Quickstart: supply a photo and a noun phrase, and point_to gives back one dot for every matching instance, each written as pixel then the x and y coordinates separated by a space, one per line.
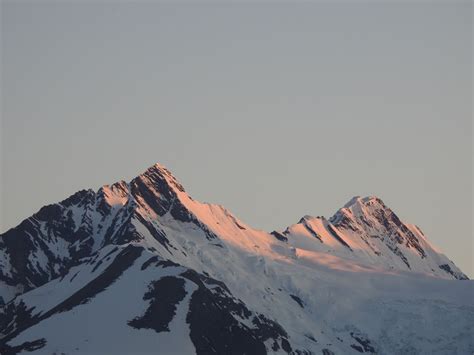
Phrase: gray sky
pixel 274 111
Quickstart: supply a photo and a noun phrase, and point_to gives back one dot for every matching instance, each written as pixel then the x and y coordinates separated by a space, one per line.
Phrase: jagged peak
pixel 368 200
pixel 77 197
pixel 361 206
pixel 159 173
pixel 159 168
pixel 357 206
pixel 115 194
pixel 117 186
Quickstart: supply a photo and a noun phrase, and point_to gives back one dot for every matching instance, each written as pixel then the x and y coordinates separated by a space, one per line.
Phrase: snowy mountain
pixel 368 232
pixel 141 268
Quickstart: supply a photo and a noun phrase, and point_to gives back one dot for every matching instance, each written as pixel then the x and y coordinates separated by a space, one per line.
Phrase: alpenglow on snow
pixel 140 267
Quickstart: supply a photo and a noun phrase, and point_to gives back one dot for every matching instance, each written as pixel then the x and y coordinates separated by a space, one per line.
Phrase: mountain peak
pixel 159 174
pixel 160 168
pixel 358 207
pixel 368 200
pixel 130 249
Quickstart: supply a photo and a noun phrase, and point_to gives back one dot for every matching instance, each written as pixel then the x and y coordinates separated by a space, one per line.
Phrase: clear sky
pixel 274 111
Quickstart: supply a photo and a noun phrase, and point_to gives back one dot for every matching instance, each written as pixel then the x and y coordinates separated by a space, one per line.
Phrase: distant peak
pixel 360 206
pixel 159 168
pixel 372 198
pixel 363 200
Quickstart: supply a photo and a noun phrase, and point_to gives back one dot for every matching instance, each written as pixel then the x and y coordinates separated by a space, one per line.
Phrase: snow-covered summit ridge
pixel 368 231
pixel 359 206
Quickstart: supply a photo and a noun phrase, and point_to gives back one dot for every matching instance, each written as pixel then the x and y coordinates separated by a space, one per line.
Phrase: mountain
pixel 368 232
pixel 140 267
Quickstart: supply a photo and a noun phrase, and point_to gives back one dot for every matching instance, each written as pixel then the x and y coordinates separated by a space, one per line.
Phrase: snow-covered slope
pixel 141 267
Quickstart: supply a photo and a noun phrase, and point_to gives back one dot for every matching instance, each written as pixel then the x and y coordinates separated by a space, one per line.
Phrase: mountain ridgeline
pixel 141 267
